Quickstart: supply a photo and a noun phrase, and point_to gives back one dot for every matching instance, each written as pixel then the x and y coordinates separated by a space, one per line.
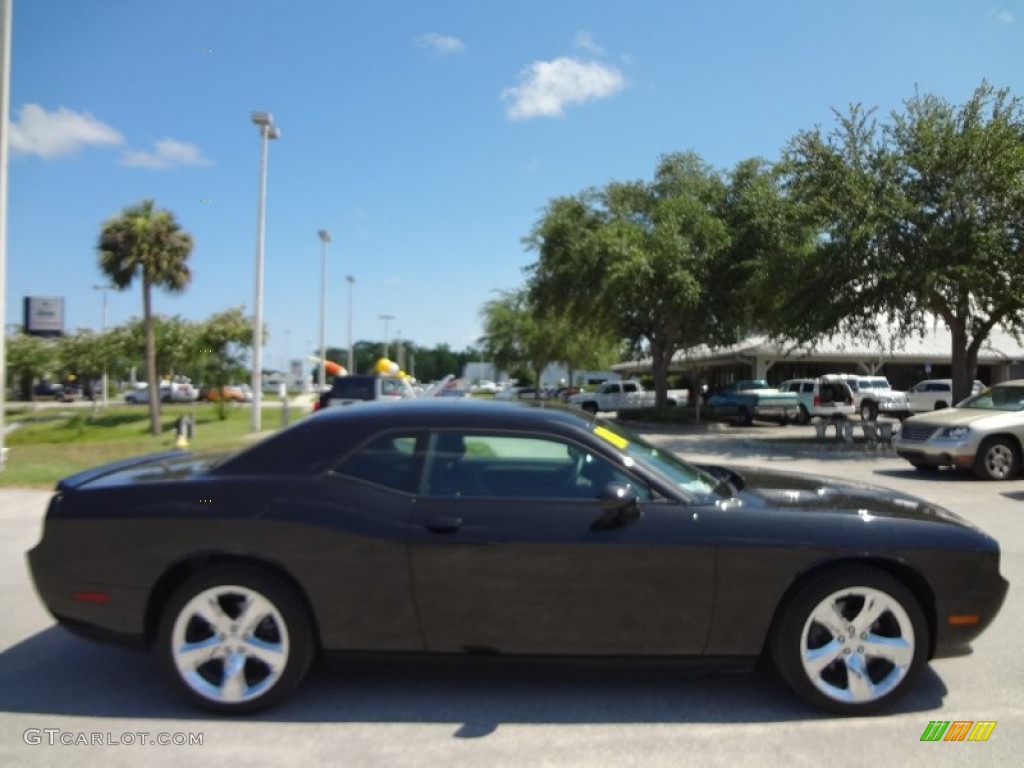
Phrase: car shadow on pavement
pixel 57 673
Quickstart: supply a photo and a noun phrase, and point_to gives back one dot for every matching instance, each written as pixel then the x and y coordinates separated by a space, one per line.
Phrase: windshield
pixel 1009 398
pixel 873 383
pixel 688 478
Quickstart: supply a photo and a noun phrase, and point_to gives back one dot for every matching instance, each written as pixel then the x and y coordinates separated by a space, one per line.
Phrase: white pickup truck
pixel 623 396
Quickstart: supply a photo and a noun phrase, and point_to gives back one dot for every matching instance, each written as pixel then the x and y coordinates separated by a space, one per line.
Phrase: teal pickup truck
pixel 747 399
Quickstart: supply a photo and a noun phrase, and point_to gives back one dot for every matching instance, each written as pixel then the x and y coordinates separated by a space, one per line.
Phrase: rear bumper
pixel 99 611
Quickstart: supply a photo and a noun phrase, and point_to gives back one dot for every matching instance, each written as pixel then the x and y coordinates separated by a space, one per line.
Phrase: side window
pixel 467 464
pixel 387 460
pixel 807 387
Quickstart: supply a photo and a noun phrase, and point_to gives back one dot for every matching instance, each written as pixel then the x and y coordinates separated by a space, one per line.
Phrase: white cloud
pixel 61 132
pixel 168 153
pixel 585 42
pixel 440 44
pixel 999 15
pixel 547 87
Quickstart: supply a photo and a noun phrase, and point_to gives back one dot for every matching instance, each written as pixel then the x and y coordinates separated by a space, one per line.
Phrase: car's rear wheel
pixel 851 641
pixel 235 639
pixel 589 407
pixel 803 416
pixel 997 459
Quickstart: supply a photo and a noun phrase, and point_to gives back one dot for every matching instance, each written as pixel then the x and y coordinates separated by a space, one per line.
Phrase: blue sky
pixel 426 136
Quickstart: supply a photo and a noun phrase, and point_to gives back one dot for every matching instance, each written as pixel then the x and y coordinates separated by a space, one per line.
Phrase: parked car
pixel 742 401
pixel 934 394
pixel 230 392
pixel 824 397
pixel 621 396
pixel 874 396
pixel 984 433
pixel 457 525
pixel 358 388
pixel 179 391
pixel 522 393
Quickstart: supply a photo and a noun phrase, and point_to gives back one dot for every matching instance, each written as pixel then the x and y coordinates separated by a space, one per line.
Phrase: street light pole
pixel 325 238
pixel 386 318
pixel 268 131
pixel 351 353
pixel 103 330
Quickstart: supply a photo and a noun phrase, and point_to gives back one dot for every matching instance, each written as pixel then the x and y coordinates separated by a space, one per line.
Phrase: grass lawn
pixel 51 443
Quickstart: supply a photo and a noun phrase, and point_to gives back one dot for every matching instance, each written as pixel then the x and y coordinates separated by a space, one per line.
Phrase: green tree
pixel 146 244
pixel 177 343
pixel 29 357
pixel 516 332
pixel 635 260
pixel 224 340
pixel 81 356
pixel 918 217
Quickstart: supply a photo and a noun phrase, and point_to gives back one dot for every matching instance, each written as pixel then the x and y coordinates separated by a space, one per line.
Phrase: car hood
pixel 976 417
pixel 156 467
pixel 763 487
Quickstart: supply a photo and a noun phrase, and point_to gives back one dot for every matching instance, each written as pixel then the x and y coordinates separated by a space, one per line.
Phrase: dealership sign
pixel 44 315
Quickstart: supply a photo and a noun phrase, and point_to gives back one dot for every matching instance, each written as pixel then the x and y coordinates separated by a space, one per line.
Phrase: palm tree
pixel 147 243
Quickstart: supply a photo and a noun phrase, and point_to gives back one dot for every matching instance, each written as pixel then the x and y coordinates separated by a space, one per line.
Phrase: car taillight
pixel 817 401
pixel 316 406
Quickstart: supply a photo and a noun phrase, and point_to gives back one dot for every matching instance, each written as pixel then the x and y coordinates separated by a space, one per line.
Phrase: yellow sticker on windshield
pixel 611 437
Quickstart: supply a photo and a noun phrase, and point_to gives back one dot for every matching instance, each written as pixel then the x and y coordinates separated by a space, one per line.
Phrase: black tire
pixel 940 405
pixel 589 407
pixel 833 667
pixel 997 459
pixel 274 648
pixel 803 416
pixel 743 417
pixel 868 411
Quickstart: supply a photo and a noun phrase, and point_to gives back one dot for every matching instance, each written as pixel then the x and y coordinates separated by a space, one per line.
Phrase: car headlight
pixel 955 433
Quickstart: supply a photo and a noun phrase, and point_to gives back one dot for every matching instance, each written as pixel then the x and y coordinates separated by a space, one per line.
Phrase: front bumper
pixel 937 453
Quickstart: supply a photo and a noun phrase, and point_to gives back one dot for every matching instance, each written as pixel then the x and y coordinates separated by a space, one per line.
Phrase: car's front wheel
pixel 235 639
pixel 868 411
pixel 997 459
pixel 851 640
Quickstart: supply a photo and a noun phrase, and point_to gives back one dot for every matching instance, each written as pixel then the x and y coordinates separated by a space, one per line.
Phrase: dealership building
pixel 904 362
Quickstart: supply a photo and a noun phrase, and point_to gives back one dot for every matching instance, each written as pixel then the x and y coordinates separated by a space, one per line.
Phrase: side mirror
pixel 619 507
pixel 617 496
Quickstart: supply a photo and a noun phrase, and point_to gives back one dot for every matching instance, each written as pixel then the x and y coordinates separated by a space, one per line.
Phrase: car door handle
pixel 443 524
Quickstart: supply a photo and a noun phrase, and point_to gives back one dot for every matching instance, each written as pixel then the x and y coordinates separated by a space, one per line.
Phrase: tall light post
pixel 268 131
pixel 103 330
pixel 5 102
pixel 325 238
pixel 351 353
pixel 386 319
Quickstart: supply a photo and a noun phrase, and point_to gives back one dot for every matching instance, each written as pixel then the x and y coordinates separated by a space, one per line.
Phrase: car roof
pixel 333 430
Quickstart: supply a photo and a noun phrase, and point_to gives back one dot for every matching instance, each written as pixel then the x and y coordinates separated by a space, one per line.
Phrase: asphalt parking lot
pixel 57 687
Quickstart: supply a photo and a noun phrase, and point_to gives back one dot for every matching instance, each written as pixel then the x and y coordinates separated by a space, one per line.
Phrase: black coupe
pixel 454 526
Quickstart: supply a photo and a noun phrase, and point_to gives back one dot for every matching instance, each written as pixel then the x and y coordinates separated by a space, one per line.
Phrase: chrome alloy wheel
pixel 229 644
pixel 998 460
pixel 857 645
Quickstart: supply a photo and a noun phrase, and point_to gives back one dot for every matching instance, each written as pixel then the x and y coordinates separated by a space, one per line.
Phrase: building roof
pixel 934 346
